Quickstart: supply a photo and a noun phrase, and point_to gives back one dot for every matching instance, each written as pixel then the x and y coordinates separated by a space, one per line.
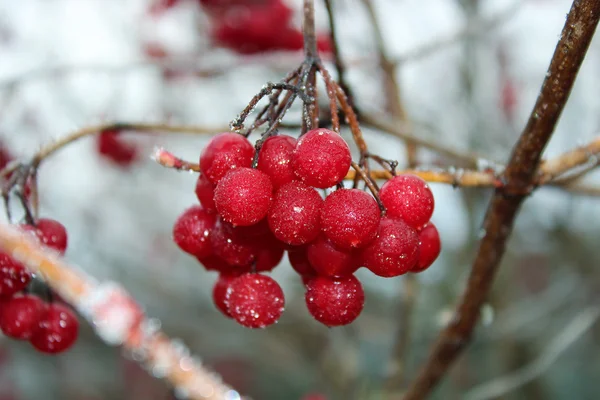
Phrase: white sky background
pixel 120 222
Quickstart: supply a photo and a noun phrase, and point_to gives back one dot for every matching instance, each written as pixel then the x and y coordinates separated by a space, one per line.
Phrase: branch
pixel 311 55
pixel 500 386
pixel 519 174
pixel 117 319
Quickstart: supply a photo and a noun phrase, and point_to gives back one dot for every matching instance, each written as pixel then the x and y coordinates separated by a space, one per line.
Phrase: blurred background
pixel 468 73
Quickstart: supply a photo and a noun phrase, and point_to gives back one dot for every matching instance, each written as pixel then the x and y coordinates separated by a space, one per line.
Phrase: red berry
pixel 243 196
pixel 50 232
pixel 321 158
pixel 329 260
pixel 205 191
pixel 350 218
pixel 220 292
pixel 213 263
pixel 13 276
pixel 334 301
pixel 299 260
pixel 255 300
pixel 225 152
pixel 192 231
pixel 19 316
pixel 260 229
pixel 232 247
pixel 111 146
pixel 275 159
pixel 268 253
pixel 430 247
pixel 408 197
pixel 57 330
pixel 394 251
pixel 295 213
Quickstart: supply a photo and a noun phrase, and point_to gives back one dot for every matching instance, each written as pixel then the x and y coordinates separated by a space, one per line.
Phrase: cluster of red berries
pixel 248 217
pixel 252 26
pixel 50 327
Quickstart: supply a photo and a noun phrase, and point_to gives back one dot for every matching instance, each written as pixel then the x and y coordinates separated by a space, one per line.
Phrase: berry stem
pixel 370 184
pixel 310 111
pixel 519 175
pixel 169 160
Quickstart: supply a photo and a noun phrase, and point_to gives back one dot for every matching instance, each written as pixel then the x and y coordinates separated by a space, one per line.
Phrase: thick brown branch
pixel 569 54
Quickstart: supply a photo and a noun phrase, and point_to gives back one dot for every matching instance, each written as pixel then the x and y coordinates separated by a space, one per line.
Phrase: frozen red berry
pixel 220 292
pixel 408 197
pixel 19 316
pixel 321 158
pixel 192 230
pixel 294 217
pixel 268 252
pixel 255 300
pixel 350 218
pixel 232 247
pixel 111 146
pixel 329 260
pixel 334 301
pixel 13 276
pixel 57 330
pixel 225 152
pixel 394 251
pixel 205 191
pixel 275 159
pixel 299 260
pixel 51 233
pixel 214 263
pixel 260 229
pixel 429 249
pixel 243 196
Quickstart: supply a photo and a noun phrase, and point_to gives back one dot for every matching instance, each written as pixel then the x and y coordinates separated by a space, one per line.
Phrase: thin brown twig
pixel 519 174
pixel 311 110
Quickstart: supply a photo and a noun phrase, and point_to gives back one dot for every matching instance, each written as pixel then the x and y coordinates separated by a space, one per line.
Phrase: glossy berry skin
pixel 205 192
pixel 321 158
pixel 57 330
pixel 430 247
pixel 294 217
pixel 394 251
pixel 112 147
pixel 19 316
pixel 329 260
pixel 408 197
pixel 192 231
pixel 255 300
pixel 224 152
pixel 13 276
pixel 243 196
pixel 299 260
pixel 232 247
pixel 350 218
pixel 219 293
pixel 334 301
pixel 51 233
pixel 275 159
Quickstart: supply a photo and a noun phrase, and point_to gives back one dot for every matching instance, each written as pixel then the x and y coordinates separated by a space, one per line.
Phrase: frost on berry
pixel 350 218
pixel 192 231
pixel 19 316
pixel 299 260
pixel 430 247
pixel 255 300
pixel 321 158
pixel 224 152
pixel 294 217
pixel 231 246
pixel 13 275
pixel 57 331
pixel 408 197
pixel 205 191
pixel 243 196
pixel 394 251
pixel 220 292
pixel 334 301
pixel 329 260
pixel 112 147
pixel 50 233
pixel 275 159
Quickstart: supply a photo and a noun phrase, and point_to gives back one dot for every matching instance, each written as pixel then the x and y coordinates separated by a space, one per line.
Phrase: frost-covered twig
pixel 519 177
pixel 118 320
